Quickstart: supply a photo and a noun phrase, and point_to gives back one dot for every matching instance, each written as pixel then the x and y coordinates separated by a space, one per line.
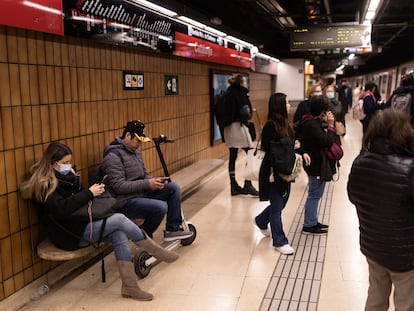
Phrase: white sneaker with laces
pixel 285 249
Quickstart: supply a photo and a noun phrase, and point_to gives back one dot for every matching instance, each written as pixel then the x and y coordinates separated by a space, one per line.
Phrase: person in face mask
pixel 55 189
pixel 336 107
pixel 303 107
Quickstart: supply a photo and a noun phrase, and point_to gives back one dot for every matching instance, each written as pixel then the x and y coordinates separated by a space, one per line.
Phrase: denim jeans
pixel 315 192
pixel 153 206
pixel 118 230
pixel 273 214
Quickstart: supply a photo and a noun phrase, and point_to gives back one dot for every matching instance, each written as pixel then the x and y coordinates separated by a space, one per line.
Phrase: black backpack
pixel 223 110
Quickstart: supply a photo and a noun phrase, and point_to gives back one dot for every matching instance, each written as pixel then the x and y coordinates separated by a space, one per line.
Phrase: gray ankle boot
pixel 157 251
pixel 130 287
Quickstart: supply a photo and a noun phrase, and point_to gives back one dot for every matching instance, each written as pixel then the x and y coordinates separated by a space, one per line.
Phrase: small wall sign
pixel 171 85
pixel 133 80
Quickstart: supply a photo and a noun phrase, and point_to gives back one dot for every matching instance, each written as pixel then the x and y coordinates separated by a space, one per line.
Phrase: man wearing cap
pixel 139 194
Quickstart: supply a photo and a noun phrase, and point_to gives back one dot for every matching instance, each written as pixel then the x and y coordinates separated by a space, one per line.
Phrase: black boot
pixel 235 188
pixel 249 189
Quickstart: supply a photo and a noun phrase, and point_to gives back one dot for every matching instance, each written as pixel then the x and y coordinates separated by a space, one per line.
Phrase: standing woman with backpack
pixel 272 186
pixel 236 134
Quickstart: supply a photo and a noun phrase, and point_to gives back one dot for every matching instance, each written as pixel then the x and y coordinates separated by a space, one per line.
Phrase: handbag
pixel 254 161
pixel 297 169
pixel 282 155
pixel 245 113
pixel 100 207
pixel 334 153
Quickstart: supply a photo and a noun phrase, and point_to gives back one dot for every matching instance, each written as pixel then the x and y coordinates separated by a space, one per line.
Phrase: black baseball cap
pixel 136 127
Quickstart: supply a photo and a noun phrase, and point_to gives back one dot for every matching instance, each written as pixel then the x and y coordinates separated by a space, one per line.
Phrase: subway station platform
pixel 231 266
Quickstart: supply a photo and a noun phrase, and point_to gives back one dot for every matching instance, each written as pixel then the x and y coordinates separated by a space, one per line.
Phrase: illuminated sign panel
pixel 330 37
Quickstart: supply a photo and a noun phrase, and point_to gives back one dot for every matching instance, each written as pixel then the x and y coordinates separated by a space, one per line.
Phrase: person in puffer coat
pixel 381 186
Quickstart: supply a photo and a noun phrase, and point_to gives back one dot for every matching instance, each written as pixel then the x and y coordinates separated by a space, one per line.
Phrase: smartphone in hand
pixel 104 179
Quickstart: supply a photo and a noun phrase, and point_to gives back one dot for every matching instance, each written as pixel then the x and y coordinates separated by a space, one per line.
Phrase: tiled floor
pixel 231 266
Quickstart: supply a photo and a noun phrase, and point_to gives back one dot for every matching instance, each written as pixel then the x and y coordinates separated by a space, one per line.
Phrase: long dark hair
pixel 279 115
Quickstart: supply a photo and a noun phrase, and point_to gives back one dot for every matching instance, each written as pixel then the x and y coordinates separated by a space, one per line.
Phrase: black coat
pixel 381 186
pixel 238 97
pixel 62 230
pixel 313 139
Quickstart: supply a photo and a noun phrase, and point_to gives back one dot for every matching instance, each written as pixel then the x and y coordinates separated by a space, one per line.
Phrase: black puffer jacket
pixel 381 186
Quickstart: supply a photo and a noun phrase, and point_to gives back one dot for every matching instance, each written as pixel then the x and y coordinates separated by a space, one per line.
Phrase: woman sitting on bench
pixel 55 188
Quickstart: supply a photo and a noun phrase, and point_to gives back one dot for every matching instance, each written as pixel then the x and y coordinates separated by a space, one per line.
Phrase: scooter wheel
pixel 191 239
pixel 141 269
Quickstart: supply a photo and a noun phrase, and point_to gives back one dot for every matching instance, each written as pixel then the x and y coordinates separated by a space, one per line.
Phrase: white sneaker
pixel 266 232
pixel 285 249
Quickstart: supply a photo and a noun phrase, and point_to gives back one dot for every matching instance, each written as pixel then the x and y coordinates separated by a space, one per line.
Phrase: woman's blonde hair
pixel 312 89
pixel 43 181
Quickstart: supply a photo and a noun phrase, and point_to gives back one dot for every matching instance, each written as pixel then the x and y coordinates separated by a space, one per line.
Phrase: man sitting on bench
pixel 139 194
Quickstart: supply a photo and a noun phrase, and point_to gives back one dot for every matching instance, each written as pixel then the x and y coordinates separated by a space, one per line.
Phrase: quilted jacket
pixel 381 186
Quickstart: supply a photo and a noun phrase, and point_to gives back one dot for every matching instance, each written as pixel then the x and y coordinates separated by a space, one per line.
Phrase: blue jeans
pixel 315 192
pixel 118 230
pixel 273 214
pixel 153 206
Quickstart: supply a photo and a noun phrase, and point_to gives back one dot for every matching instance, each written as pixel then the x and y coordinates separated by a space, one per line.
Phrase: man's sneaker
pixel 177 235
pixel 285 249
pixel 322 226
pixel 314 230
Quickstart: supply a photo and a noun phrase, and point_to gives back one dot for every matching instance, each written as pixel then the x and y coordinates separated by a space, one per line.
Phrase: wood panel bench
pixel 189 178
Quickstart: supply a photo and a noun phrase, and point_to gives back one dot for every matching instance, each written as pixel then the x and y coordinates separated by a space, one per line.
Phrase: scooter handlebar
pixel 162 139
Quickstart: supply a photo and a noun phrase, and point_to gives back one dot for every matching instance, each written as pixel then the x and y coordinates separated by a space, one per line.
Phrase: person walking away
pixel 314 137
pixel 55 188
pixel 236 135
pixel 381 186
pixel 356 92
pixel 271 186
pixel 345 96
pixel 139 194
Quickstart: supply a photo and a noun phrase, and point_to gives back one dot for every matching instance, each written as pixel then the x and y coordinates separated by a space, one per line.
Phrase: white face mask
pixel 64 169
pixel 330 95
pixel 317 93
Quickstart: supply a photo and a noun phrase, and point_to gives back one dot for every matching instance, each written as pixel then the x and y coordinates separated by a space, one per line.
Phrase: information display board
pixel 330 37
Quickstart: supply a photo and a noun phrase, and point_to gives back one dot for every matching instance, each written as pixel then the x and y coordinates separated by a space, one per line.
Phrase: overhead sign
pixel 330 37
pixel 39 15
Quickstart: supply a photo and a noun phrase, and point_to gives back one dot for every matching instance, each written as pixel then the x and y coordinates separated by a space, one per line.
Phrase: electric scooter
pixel 143 261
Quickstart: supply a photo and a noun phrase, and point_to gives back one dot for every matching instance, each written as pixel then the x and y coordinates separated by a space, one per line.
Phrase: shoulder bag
pixel 253 163
pixel 100 207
